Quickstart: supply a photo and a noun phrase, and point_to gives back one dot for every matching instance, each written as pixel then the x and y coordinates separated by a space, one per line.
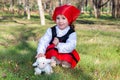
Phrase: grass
pixel 98 45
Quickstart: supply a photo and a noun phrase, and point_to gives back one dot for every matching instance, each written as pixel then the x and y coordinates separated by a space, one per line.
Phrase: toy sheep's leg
pixel 37 71
pixel 51 71
pixel 48 70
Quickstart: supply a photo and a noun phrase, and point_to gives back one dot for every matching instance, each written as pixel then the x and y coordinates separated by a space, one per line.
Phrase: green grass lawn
pixel 98 43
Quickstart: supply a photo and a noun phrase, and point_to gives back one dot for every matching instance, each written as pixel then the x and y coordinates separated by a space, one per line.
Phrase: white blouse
pixel 62 47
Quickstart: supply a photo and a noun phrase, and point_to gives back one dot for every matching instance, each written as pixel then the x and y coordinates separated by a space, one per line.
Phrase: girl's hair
pixel 72 25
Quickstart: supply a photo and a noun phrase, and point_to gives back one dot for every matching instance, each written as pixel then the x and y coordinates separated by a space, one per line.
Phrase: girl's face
pixel 61 22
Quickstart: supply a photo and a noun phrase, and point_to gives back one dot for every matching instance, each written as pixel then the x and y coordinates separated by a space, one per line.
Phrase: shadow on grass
pixel 78 74
pixel 103 16
pixel 18 58
pixel 85 22
pixel 5 19
pixel 103 20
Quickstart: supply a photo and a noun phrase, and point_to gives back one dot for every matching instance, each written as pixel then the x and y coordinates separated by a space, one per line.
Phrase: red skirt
pixel 71 58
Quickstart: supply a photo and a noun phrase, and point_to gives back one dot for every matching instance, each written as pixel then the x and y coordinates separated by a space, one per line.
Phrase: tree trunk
pixel 86 5
pixel 60 2
pixel 97 12
pixel 41 12
pixel 26 9
pixel 97 6
pixel 11 9
pixel 51 8
pixel 4 5
pixel 118 8
pixel 109 7
pixel 115 8
pixel 81 5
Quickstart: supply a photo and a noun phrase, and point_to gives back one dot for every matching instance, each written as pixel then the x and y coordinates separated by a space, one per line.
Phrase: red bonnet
pixel 69 11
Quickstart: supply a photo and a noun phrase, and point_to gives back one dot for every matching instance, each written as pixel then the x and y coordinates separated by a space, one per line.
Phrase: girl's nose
pixel 60 20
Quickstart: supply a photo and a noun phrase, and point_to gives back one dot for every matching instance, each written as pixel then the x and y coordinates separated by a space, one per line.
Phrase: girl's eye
pixel 58 18
pixel 63 18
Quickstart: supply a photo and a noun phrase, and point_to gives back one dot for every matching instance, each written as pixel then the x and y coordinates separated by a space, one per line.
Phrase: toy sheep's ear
pixel 35 64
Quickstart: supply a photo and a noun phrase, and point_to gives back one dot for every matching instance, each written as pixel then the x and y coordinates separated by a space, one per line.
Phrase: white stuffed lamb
pixel 43 65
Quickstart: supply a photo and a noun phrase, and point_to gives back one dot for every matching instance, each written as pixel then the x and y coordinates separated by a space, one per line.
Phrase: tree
pixel 41 12
pixel 97 6
pixel 80 5
pixel 26 9
pixel 60 2
pixel 116 8
pixel 11 6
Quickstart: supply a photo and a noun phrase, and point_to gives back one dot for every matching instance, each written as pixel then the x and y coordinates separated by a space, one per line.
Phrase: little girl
pixel 59 41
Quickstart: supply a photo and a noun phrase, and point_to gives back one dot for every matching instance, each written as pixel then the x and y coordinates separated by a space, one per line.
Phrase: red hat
pixel 69 11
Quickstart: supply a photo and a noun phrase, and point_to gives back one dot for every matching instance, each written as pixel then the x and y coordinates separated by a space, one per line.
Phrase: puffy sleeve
pixel 69 46
pixel 44 41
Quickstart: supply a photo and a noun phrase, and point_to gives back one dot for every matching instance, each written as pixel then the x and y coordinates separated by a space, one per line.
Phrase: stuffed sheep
pixel 43 65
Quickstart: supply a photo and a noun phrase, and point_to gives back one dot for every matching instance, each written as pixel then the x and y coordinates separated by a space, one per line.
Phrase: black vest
pixel 63 38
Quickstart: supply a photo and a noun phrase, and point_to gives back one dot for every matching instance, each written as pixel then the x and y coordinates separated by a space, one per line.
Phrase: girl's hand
pixel 55 41
pixel 39 55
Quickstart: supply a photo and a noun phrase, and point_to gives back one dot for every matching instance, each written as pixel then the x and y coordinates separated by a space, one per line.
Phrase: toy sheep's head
pixel 41 62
